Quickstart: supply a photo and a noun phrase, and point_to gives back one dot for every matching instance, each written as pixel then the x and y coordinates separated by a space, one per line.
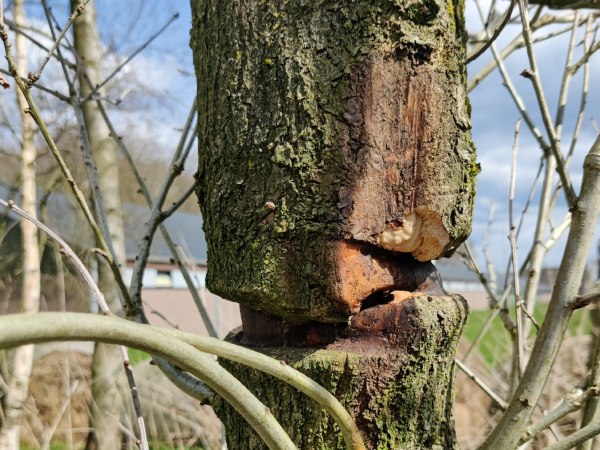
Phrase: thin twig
pixel 495 301
pixel 584 91
pixel 514 421
pixel 97 88
pixel 33 40
pixel 566 80
pixel 570 403
pixel 184 381
pixel 537 250
pixel 534 77
pixel 484 387
pixel 101 301
pixel 585 58
pixel 35 114
pixel 153 222
pixel 546 205
pixel 142 441
pixel 582 106
pixel 49 432
pixel 494 36
pixel 161 315
pixel 39 86
pixel 60 56
pixel 72 19
pixel 517 43
pixel 513 249
pixel 68 251
pixel 177 204
pixel 584 300
pixel 578 437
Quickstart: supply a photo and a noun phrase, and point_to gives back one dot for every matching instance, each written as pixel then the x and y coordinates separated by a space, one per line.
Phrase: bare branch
pixel 513 247
pixel 35 114
pixel 570 403
pixel 484 387
pixel 72 19
pixel 68 251
pixel 583 300
pixel 480 51
pixel 177 204
pixel 21 329
pixel 97 88
pixel 568 4
pixel 514 421
pixel 533 75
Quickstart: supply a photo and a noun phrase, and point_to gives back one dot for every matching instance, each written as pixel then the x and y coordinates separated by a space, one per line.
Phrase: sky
pixel 165 72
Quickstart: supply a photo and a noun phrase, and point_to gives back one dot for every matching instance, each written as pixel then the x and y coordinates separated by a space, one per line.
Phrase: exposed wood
pixel 326 126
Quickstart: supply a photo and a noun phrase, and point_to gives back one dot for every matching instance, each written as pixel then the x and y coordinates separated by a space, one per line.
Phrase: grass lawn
pixel 496 344
pixel 136 356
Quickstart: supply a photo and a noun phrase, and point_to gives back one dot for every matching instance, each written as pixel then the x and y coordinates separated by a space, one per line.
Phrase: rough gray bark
pixel 336 161
pixel 332 135
pixel 21 359
pixel 394 376
pixel 107 373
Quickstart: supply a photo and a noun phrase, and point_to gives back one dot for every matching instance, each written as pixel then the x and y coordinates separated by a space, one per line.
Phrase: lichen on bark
pixel 399 392
pixel 322 123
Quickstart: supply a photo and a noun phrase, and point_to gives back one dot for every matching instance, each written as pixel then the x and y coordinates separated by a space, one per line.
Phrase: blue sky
pixel 166 71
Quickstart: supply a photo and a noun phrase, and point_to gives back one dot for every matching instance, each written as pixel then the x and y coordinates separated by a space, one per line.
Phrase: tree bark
pixel 392 368
pixel 22 357
pixel 108 382
pixel 335 161
pixel 332 136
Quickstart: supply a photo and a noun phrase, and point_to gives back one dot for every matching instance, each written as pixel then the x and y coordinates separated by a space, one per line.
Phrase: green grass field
pixel 495 346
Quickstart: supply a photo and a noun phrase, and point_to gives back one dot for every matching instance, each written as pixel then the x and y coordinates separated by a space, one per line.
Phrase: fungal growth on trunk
pixel 335 163
pixel 329 129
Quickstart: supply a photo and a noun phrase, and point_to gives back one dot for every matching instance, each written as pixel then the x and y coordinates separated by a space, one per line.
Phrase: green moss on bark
pixel 400 397
pixel 275 84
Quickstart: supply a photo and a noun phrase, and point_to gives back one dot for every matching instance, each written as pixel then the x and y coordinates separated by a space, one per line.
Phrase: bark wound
pixel 334 149
pixel 391 114
pixel 364 269
pixel 376 287
pixel 389 325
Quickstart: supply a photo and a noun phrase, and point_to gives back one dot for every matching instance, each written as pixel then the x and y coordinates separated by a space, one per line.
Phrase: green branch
pixel 21 329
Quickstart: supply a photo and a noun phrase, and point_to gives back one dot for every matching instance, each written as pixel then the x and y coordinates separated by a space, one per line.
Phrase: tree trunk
pixel 107 368
pixel 392 369
pixel 335 162
pixel 329 131
pixel 22 357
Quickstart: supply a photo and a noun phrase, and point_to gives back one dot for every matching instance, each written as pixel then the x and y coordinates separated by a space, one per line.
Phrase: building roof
pixel 454 269
pixel 185 228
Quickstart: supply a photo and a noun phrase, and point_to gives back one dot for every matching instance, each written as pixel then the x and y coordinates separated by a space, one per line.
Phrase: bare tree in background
pixel 22 357
pixel 107 374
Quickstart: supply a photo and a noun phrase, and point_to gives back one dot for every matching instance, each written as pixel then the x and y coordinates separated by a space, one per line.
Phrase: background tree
pixel 21 359
pixel 108 381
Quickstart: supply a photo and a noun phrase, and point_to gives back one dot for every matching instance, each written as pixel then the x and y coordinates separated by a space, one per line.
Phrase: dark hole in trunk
pixel 377 298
